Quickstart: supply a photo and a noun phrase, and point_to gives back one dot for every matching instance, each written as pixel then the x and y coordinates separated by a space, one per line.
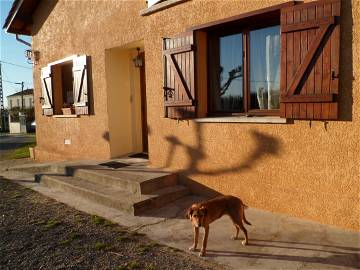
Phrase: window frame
pixel 244 28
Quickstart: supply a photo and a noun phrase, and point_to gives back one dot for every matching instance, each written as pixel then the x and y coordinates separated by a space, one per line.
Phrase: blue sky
pixel 13 51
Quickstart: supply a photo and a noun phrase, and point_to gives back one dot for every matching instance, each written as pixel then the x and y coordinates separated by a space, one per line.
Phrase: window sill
pixel 66 116
pixel 243 119
pixel 160 6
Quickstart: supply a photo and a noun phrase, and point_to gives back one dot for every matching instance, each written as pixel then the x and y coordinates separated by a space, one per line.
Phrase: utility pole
pixel 2 111
pixel 22 95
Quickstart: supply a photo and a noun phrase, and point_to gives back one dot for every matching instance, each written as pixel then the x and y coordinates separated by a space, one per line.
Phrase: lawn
pixel 18 150
pixel 22 151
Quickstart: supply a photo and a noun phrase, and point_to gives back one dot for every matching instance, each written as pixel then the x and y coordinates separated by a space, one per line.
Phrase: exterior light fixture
pixel 32 56
pixel 138 61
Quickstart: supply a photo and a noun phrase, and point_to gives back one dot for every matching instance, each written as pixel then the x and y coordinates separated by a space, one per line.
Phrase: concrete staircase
pixel 133 188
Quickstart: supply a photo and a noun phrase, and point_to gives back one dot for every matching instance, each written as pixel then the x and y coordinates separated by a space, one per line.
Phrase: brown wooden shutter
pixel 179 79
pixel 47 94
pixel 310 45
pixel 80 85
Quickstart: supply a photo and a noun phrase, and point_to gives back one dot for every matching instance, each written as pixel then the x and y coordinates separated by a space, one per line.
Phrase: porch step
pixel 141 181
pixel 115 197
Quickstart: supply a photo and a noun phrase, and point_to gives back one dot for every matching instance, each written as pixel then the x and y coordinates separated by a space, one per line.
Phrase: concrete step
pixel 110 196
pixel 134 180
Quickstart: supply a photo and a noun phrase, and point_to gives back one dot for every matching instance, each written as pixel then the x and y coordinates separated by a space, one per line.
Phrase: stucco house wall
pixel 308 170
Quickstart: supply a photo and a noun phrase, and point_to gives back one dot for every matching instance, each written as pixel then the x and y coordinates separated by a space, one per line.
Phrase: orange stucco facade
pixel 303 169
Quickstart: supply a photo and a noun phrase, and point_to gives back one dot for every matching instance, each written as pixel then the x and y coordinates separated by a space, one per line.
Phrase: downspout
pixel 22 41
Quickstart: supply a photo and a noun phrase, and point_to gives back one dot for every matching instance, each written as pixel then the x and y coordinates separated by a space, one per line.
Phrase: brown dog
pixel 203 213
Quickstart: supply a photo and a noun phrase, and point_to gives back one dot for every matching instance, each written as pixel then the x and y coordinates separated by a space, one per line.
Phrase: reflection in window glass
pixel 265 68
pixel 228 95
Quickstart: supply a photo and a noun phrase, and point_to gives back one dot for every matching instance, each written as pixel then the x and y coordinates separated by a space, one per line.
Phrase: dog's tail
pixel 243 214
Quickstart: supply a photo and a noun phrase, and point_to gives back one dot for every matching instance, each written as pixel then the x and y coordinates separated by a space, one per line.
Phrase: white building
pixel 22 100
pixel 14 100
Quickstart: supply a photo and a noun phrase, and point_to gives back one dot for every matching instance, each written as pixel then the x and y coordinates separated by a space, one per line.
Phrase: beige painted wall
pixel 124 103
pixel 311 172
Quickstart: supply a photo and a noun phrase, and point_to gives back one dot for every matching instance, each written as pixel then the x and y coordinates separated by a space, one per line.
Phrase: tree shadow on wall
pixel 264 145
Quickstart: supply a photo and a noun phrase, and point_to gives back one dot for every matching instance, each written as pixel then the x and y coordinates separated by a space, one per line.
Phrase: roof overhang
pixel 19 19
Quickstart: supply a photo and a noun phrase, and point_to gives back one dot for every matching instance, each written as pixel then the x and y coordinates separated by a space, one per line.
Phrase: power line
pixel 15 64
pixel 15 82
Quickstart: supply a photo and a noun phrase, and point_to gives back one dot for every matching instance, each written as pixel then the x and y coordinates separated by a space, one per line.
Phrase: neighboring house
pixel 26 96
pixel 244 97
pixel 21 111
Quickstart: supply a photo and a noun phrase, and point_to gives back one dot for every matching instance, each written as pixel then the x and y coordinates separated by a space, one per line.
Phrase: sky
pixel 12 51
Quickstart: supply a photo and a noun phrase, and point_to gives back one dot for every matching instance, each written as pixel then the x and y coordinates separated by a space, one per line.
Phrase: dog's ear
pixel 203 210
pixel 189 212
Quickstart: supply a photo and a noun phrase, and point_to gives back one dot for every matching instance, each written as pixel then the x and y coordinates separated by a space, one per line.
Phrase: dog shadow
pixel 342 256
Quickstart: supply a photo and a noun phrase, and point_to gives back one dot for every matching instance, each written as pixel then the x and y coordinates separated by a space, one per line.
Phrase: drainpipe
pixel 22 41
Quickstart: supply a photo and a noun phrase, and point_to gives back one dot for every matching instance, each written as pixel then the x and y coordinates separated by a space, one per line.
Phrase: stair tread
pixel 130 174
pixel 112 192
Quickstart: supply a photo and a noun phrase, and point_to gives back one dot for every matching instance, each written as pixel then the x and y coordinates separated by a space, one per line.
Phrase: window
pixel 281 60
pixel 11 103
pixel 65 86
pixel 62 80
pixel 30 102
pixel 18 102
pixel 245 71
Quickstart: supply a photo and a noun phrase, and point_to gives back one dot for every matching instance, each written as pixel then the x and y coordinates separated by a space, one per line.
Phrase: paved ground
pixel 276 241
pixel 10 142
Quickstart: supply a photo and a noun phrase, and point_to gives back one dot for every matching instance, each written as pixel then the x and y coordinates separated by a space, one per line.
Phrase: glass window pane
pixel 265 68
pixel 227 83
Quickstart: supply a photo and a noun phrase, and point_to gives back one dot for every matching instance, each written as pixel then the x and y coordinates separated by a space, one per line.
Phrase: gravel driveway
pixel 39 233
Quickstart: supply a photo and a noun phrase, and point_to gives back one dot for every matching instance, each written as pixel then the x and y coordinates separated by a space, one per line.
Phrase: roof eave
pixel 19 19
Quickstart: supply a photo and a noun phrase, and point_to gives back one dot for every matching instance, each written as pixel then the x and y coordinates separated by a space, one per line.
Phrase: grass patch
pixel 52 223
pixel 123 238
pixel 16 195
pixel 71 238
pixel 97 220
pixel 132 265
pixel 101 246
pixel 22 151
pixel 150 267
pixel 40 222
pixel 144 248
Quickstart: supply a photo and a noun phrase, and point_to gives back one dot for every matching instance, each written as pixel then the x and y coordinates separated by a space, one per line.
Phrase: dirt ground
pixel 39 233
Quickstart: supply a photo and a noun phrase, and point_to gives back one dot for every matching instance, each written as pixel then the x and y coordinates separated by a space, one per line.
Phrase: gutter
pixel 22 41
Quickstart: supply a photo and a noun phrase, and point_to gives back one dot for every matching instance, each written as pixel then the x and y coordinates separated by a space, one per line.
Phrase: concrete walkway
pixel 276 241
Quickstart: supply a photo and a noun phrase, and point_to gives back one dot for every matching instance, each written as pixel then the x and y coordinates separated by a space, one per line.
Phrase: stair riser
pixel 123 184
pixel 152 185
pixel 86 194
pixel 159 201
pixel 146 187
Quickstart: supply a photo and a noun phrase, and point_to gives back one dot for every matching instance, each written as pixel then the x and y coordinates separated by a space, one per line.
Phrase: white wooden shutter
pixel 80 86
pixel 47 95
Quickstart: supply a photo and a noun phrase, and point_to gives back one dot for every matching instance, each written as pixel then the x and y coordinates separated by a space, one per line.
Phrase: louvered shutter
pixel 80 85
pixel 47 95
pixel 310 44
pixel 179 79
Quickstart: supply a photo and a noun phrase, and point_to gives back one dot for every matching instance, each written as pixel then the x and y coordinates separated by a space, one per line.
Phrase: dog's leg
pixel 196 238
pixel 236 218
pixel 235 237
pixel 204 243
pixel 241 225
